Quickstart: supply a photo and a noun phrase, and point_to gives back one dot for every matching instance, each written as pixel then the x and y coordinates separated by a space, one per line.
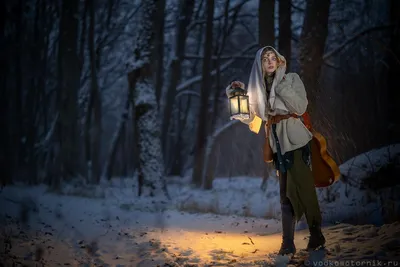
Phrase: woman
pixel 280 99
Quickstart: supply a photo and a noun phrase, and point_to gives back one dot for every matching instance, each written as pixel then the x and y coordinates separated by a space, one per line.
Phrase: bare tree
pixel 224 33
pixel 182 120
pixel 67 94
pixel 394 70
pixel 211 154
pixel 285 30
pixel 120 128
pixel 201 137
pixel 93 132
pixel 158 54
pixel 185 13
pixel 312 44
pixel 266 23
pixel 17 131
pixel 147 128
pixel 5 151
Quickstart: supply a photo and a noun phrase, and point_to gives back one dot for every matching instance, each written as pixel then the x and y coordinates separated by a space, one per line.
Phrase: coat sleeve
pixel 293 94
pixel 228 91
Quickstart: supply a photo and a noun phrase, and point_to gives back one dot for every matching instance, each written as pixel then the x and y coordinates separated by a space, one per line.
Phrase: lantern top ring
pixel 238 91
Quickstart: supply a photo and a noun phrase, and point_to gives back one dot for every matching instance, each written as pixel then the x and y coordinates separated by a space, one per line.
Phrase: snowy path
pixel 74 231
pixel 117 236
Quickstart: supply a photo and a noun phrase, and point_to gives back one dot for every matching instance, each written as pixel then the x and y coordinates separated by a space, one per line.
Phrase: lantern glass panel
pixel 244 105
pixel 234 102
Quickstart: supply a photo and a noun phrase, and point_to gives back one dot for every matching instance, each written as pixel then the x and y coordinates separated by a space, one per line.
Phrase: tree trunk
pixel 17 117
pixel 68 86
pixel 109 164
pixel 219 50
pixel 5 151
pixel 45 106
pixel 201 138
pixel 32 98
pixel 124 152
pixel 186 11
pixel 211 154
pixel 83 36
pixel 311 47
pixel 158 53
pixel 89 111
pixel 177 158
pixel 199 38
pixel 95 102
pixel 394 72
pixel 285 30
pixel 266 23
pixel 147 128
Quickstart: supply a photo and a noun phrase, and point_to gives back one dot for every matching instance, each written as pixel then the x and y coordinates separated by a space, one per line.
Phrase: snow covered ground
pixel 235 224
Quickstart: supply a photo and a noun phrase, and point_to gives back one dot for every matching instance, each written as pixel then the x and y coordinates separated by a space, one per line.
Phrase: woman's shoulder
pixel 292 79
pixel 291 76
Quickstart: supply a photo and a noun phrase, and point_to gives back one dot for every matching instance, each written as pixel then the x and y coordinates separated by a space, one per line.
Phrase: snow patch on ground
pixel 234 224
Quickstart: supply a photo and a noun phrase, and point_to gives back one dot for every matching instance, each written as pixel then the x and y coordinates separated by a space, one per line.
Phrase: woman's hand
pixel 236 84
pixel 232 86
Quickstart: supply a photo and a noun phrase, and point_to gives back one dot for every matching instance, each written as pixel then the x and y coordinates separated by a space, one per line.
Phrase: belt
pixel 277 118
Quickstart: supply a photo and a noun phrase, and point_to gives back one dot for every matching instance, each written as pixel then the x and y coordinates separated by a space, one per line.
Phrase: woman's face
pixel 269 62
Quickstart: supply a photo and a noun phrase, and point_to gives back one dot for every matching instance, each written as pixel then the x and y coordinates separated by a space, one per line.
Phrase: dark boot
pixel 288 220
pixel 317 239
pixel 288 225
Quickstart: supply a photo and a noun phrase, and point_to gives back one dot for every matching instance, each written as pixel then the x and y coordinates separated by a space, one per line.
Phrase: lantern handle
pixel 238 91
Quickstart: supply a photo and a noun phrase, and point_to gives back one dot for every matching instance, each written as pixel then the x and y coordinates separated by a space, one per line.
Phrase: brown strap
pixel 277 118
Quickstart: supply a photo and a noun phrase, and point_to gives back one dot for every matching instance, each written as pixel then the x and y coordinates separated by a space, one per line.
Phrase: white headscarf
pixel 257 91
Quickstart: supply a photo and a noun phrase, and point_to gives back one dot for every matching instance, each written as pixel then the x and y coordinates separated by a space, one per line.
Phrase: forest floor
pixel 72 231
pixel 107 225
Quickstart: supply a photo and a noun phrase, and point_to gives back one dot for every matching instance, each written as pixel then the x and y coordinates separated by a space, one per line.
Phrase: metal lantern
pixel 239 104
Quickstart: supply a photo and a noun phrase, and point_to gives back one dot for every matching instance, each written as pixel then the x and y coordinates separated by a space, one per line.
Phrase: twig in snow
pixel 251 240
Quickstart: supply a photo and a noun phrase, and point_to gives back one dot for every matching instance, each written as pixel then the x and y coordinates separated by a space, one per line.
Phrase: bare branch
pixel 183 86
pixel 193 56
pixel 249 31
pixel 297 8
pixel 189 93
pixel 355 37
pixel 232 9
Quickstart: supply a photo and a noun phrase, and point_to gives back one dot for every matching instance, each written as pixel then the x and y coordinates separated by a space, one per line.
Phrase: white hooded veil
pixel 257 92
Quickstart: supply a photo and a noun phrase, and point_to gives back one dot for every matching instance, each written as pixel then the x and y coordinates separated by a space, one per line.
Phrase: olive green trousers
pixel 300 190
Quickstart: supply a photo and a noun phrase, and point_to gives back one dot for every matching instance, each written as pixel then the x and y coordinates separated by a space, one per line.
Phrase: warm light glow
pixel 207 246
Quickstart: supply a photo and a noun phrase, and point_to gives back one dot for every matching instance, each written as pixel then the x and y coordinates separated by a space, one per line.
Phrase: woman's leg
pixel 288 219
pixel 303 180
